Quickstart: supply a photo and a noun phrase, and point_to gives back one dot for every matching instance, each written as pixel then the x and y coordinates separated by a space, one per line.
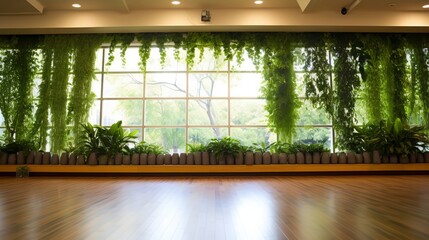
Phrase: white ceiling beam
pixel 37 5
pixel 125 6
pixel 303 4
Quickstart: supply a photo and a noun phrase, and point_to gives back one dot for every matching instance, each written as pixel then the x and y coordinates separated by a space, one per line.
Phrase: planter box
pixel 126 160
pixel 316 158
pixel 55 160
pixel 38 158
pixel 275 158
pixel 118 159
pixel 376 158
pixel 3 158
pixel 135 159
pixel 46 159
pixel 300 158
pixel 308 158
pixel 72 159
pixel 249 158
pixel 197 158
pixel 167 159
pixel 342 158
pixel 334 158
pixel 325 157
pixel 366 157
pixel 239 159
pixel 258 158
pixel 205 158
pixel 351 158
pixel 81 160
pixel 143 158
pixel 230 160
pixel 266 158
pixel 160 159
pixel 20 158
pixel 151 159
pixel 64 159
pixel 290 158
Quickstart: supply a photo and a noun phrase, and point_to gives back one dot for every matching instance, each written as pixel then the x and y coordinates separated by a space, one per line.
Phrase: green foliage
pixel 106 141
pixel 260 147
pixel 62 46
pixel 390 138
pixel 224 147
pixel 347 52
pixel 41 121
pixel 22 171
pixel 148 148
pixel 395 85
pixel 196 147
pixel 279 147
pixel 82 97
pixel 18 146
pixel 317 72
pixel 121 39
pixel 418 100
pixel 306 148
pixel 372 86
pixel 18 66
pixel 279 88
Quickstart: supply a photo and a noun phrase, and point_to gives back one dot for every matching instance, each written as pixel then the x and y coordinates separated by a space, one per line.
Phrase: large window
pixel 174 105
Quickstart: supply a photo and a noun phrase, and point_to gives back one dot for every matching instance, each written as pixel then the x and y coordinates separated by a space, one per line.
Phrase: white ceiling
pixel 96 16
pixel 11 7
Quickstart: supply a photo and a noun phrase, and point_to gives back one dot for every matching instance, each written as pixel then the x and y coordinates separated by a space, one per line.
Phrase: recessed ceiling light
pixel 76 5
pixel 425 6
pixel 259 2
pixel 175 2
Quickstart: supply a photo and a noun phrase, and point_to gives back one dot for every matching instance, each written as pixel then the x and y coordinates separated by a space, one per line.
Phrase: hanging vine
pixel 317 69
pixel 18 68
pixel 345 52
pixel 373 84
pixel 279 87
pixel 82 97
pixel 62 46
pixel 41 121
pixel 396 79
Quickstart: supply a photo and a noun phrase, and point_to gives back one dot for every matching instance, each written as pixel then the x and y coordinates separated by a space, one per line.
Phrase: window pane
pixel 203 135
pixel 360 112
pixel 154 61
pixel 310 135
pixel 123 85
pixel 132 60
pixel 208 62
pixel 96 85
pixel 246 65
pixel 208 85
pixel 300 86
pixel 130 112
pixel 165 112
pixel 166 85
pixel 208 112
pixel 99 60
pixel 139 134
pixel 248 112
pixel 246 84
pixel 1 121
pixel 172 139
pixel 248 136
pixel 308 115
pixel 94 113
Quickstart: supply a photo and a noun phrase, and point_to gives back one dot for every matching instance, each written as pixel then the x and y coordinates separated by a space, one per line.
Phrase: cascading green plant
pixel 62 46
pixel 346 51
pixel 224 147
pixel 18 66
pixel 82 97
pixel 317 69
pixel 279 87
pixel 396 81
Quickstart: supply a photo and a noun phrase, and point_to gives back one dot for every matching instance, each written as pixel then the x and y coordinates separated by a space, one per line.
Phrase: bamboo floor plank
pixel 215 207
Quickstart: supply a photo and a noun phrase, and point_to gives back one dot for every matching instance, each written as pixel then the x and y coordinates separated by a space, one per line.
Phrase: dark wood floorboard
pixel 215 208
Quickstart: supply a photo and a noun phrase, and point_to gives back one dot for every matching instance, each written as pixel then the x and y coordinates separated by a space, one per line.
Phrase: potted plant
pixel 148 152
pixel 223 148
pixel 196 149
pixel 106 142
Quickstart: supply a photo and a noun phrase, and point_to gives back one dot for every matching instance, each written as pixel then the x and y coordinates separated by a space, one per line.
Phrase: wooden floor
pixel 205 207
